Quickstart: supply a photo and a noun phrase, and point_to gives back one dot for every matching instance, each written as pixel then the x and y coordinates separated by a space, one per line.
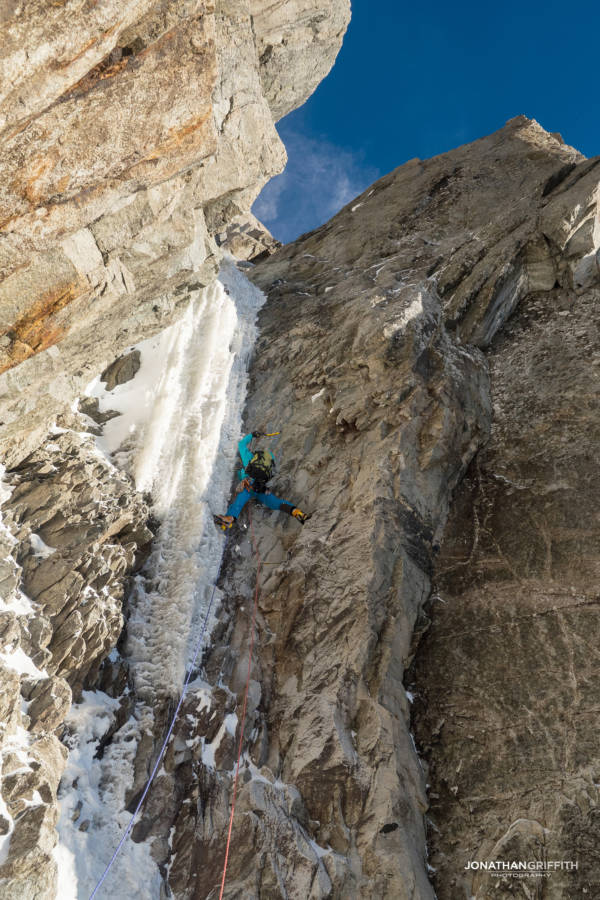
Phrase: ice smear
pixel 191 481
pixel 320 851
pixel 181 421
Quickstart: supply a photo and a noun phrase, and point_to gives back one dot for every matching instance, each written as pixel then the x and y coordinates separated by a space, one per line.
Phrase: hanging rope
pixel 240 745
pixel 165 742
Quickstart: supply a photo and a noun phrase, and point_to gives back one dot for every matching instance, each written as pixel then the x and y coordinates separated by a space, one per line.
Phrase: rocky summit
pixel 395 699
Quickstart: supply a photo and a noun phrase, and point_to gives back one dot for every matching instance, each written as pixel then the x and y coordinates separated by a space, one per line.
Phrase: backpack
pixel 260 467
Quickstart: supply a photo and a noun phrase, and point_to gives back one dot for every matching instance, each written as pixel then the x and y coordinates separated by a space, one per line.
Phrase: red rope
pixel 237 767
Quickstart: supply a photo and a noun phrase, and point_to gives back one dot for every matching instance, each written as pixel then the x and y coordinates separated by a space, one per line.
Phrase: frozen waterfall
pixel 177 433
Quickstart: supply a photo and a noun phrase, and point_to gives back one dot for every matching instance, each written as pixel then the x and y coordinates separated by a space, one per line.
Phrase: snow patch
pixel 40 549
pixel 5 839
pixel 19 661
pixel 228 726
pixel 17 744
pixel 20 604
pixel 202 692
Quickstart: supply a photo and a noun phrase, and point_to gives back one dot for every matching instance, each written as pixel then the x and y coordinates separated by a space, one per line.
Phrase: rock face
pixel 377 339
pixel 106 161
pixel 245 238
pixel 296 42
pixel 79 530
pixel 506 679
pixel 73 529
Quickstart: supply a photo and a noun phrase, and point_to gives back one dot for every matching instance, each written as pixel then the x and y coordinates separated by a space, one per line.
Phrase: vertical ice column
pixel 184 456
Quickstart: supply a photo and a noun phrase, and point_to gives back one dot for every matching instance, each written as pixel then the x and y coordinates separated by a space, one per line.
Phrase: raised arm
pixel 244 448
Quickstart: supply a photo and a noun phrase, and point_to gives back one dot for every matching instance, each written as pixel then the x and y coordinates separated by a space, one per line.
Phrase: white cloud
pixel 319 179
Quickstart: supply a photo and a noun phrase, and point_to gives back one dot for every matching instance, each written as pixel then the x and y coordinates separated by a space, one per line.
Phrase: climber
pixel 257 470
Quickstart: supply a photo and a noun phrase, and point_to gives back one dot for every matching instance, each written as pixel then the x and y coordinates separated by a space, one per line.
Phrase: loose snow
pixel 176 433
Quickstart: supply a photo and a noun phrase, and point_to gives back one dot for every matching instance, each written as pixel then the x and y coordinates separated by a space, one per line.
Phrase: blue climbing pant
pixel 242 498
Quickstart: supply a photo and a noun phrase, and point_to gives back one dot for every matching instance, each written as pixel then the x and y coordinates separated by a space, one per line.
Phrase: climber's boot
pixel 301 516
pixel 224 522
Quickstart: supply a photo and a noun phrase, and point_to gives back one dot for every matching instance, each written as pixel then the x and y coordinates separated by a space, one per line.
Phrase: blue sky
pixel 416 80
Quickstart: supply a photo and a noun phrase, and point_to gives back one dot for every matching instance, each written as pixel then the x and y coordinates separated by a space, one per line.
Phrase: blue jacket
pixel 246 454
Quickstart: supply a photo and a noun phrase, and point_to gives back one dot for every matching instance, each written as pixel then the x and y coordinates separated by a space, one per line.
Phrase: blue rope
pixel 166 740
